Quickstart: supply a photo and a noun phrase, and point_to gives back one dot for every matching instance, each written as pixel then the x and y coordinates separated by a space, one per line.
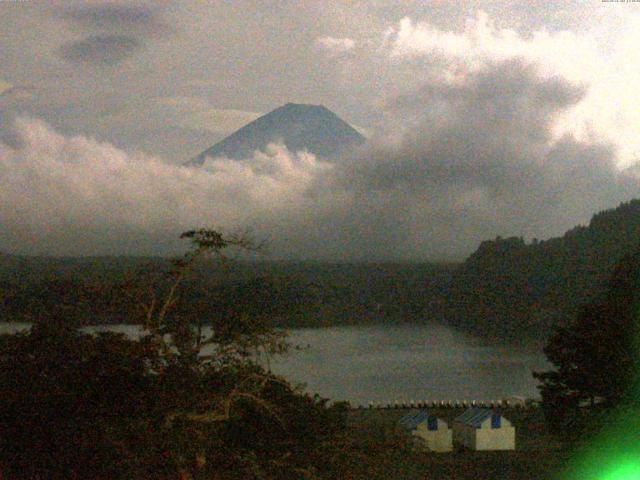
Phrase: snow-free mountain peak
pixel 299 127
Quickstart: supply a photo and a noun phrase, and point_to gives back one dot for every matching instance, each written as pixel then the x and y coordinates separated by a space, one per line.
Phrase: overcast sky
pixel 485 118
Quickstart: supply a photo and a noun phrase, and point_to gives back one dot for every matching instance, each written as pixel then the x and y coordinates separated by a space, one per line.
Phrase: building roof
pixel 475 416
pixel 412 420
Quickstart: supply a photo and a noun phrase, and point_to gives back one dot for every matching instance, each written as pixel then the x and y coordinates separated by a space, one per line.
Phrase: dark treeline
pixel 507 289
pixel 511 289
pixel 290 294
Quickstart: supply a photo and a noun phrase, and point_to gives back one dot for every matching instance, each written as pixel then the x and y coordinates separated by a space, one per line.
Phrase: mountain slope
pixel 313 128
pixel 510 289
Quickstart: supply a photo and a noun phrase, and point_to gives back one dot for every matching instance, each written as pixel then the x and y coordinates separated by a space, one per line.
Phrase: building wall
pixel 503 438
pixel 440 440
pixel 464 435
pixel 485 438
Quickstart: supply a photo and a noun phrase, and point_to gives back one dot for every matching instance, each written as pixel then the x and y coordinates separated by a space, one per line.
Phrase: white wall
pixel 503 438
pixel 440 440
pixel 485 438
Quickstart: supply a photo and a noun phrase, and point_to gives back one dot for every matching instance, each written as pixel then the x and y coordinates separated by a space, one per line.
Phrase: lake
pixel 399 363
pixel 408 362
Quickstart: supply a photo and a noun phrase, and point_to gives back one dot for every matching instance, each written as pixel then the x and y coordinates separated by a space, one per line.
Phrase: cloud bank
pixel 468 160
pixel 458 162
pixel 78 196
pixel 595 60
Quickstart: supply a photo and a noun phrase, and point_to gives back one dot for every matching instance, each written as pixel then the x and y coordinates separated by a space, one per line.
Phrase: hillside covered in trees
pixel 511 289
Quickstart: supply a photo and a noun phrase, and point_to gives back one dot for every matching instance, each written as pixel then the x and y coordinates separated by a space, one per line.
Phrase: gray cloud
pixel 16 92
pixel 8 135
pixel 100 49
pixel 115 31
pixel 12 99
pixel 138 18
pixel 496 124
pixel 457 163
pixel 74 195
pixel 111 14
pixel 462 162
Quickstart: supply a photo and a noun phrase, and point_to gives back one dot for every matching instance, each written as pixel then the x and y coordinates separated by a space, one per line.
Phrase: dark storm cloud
pixel 100 49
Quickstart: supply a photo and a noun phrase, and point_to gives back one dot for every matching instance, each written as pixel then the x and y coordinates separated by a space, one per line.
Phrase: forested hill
pixel 510 289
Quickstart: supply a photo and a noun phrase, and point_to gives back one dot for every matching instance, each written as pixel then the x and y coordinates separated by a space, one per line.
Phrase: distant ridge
pixel 313 128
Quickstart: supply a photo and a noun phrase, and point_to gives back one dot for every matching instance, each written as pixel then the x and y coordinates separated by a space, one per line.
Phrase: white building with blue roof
pixel 484 429
pixel 434 432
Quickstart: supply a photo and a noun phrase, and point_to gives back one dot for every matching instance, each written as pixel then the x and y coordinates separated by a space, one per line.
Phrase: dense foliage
pixel 75 405
pixel 596 357
pixel 179 402
pixel 511 289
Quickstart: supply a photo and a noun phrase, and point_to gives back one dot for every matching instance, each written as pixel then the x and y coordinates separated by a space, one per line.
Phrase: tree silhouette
pixel 181 401
pixel 596 357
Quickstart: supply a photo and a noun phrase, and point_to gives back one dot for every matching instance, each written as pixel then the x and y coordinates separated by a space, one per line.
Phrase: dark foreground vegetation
pixel 88 407
pixel 596 356
pixel 182 403
pixel 591 397
pixel 179 403
pixel 507 290
pixel 174 404
pixel 77 406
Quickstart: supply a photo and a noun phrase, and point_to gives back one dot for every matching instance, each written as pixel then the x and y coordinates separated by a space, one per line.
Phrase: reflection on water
pixel 397 363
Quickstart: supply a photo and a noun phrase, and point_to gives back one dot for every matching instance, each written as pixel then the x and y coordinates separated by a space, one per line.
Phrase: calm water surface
pixel 399 363
pixel 409 362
